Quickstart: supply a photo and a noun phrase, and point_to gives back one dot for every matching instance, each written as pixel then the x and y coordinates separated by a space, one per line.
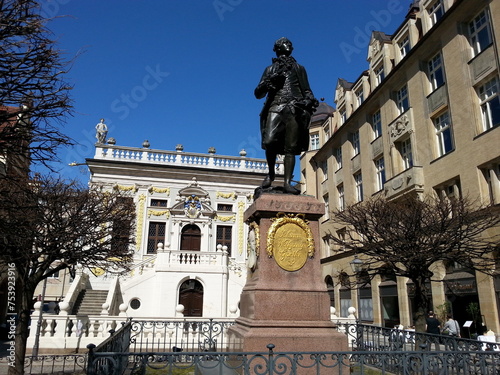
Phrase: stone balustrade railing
pixel 135 154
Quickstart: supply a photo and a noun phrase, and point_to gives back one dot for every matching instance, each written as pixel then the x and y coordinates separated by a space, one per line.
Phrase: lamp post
pixel 356 266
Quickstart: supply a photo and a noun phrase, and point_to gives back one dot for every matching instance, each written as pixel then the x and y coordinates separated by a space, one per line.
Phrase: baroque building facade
pixel 190 235
pixel 424 119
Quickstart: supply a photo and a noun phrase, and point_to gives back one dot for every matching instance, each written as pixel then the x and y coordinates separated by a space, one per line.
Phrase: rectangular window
pixel 159 203
pixel 314 141
pixel 376 125
pixel 340 191
pixel 327 132
pixel 406 153
pixel 359 96
pixel 492 177
pixel 326 200
pixel 156 234
pixel 224 236
pixel 358 183
pixel 343 116
pixel 490 104
pixel 120 236
pixel 380 171
pixel 480 33
pixel 355 143
pixel 338 157
pixel 436 12
pixel 444 137
pixel 224 207
pixel 324 168
pixel 379 74
pixel 436 75
pixel 402 100
pixel 404 46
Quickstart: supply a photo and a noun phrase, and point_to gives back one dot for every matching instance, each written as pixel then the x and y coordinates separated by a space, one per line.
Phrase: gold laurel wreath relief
pixel 290 241
pixel 153 189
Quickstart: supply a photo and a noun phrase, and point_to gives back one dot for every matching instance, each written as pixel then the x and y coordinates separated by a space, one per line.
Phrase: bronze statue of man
pixel 285 118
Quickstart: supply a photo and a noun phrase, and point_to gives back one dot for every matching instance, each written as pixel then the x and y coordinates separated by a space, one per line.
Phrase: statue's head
pixel 283 47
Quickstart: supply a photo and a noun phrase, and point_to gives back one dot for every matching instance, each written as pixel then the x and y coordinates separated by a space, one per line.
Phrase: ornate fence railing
pixel 182 334
pixel 293 363
pixel 199 346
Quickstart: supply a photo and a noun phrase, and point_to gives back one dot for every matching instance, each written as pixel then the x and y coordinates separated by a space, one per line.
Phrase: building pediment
pixel 192 201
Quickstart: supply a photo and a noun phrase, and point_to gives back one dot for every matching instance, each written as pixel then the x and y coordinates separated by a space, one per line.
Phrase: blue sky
pixel 184 71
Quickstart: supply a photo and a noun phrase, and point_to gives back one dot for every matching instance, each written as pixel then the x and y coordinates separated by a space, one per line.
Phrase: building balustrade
pixel 161 157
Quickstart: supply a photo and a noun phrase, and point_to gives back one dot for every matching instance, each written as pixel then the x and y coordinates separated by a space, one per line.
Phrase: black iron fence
pixel 200 347
pixel 295 363
pixel 179 335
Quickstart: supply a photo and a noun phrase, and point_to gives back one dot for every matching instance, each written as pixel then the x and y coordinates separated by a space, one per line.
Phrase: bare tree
pixel 32 85
pixel 410 235
pixel 47 225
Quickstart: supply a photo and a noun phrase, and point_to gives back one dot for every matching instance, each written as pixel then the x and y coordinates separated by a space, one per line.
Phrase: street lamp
pixel 357 266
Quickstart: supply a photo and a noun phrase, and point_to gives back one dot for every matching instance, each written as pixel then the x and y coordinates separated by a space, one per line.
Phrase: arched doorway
pixel 191 297
pixel 191 238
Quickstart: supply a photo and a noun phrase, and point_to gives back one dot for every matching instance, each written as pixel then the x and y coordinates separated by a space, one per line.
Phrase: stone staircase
pixel 89 302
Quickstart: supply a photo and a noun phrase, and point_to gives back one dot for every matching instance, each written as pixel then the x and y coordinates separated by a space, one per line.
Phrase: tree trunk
pixel 421 303
pixel 25 297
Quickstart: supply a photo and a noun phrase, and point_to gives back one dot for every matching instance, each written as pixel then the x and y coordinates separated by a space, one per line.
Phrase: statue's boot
pixel 267 182
pixel 289 164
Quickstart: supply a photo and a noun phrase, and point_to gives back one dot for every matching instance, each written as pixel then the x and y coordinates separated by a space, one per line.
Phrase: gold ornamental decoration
pixel 290 241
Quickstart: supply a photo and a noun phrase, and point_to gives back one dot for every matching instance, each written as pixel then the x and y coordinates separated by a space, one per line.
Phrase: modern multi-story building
pixel 423 118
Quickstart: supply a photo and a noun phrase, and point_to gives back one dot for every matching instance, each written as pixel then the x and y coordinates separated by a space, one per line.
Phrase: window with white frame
pixel 355 142
pixel 490 104
pixel 156 234
pixel 435 69
pixel 480 32
pixel 379 74
pixel 492 177
pixel 314 141
pixel 341 196
pixel 326 130
pixel 444 137
pixel 359 96
pixel 343 116
pixel 380 172
pixel 338 157
pixel 402 100
pixel 376 125
pixel 324 168
pixel 404 148
pixel 358 183
pixel 436 12
pixel 404 45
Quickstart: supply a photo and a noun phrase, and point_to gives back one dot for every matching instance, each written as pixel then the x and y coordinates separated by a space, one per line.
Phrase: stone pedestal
pixel 285 301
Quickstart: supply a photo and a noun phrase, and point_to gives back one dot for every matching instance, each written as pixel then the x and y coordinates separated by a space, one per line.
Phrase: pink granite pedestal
pixel 290 309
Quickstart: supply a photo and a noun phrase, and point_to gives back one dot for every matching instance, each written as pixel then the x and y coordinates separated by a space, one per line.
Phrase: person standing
pixel 451 327
pixel 285 118
pixel 433 325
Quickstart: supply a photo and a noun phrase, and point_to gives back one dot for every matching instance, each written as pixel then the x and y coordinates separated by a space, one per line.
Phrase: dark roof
pixel 381 36
pixel 322 112
pixel 345 84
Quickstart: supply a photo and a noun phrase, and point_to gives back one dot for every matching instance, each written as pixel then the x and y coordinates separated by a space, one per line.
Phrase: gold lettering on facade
pixel 290 241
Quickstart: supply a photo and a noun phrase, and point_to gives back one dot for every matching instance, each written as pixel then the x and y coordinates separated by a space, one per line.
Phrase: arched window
pixel 191 238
